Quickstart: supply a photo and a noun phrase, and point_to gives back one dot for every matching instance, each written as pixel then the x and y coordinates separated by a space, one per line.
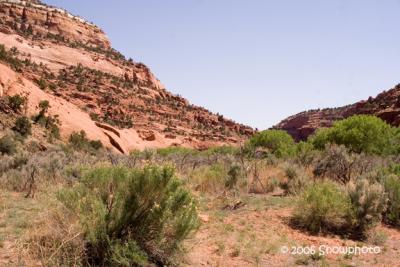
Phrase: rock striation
pixel 70 62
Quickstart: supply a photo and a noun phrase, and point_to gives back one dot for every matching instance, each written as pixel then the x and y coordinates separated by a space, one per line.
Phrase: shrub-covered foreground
pixel 352 211
pixel 131 216
pixel 122 210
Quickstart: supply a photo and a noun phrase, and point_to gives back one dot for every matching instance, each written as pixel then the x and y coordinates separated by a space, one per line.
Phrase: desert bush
pixel 12 162
pixel 305 154
pixel 7 145
pixel 6 163
pixel 392 188
pixel 178 156
pixel 51 164
pixel 42 84
pixel 233 176
pixel 15 177
pixel 79 141
pixel 209 179
pixel 12 174
pixel 278 142
pixel 360 133
pixel 37 170
pixel 335 163
pixel 130 215
pixel 291 171
pixel 95 144
pixel 297 180
pixel 23 126
pixel 148 154
pixel 323 206
pixel 368 203
pixel 50 123
pixel 16 102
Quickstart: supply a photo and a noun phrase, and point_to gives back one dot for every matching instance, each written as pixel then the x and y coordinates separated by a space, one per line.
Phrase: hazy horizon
pixel 260 62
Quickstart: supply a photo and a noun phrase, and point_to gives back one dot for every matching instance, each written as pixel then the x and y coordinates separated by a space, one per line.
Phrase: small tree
pixel 16 102
pixel 23 126
pixel 278 142
pixel 361 133
pixel 50 123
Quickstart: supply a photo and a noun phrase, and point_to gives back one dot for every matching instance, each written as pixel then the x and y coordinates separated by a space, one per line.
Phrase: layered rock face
pixel 385 106
pixel 45 20
pixel 70 62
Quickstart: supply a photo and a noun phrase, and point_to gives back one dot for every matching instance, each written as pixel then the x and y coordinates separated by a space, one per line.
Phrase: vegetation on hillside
pixel 131 210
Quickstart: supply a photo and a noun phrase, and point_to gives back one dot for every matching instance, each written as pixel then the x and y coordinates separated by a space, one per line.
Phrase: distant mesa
pixel 385 106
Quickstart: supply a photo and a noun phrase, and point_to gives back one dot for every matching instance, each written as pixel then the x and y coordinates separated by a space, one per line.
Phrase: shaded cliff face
pixel 70 62
pixel 385 106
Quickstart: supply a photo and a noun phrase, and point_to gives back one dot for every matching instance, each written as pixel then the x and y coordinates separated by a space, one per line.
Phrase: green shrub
pixel 392 188
pixel 321 138
pixel 232 177
pixel 16 102
pixel 7 145
pixel 54 130
pixel 278 142
pixel 368 201
pixel 323 206
pixel 23 126
pixel 79 141
pixel 291 171
pixel 361 133
pixel 125 254
pixel 42 84
pixel 174 150
pixel 44 105
pixel 148 153
pixel 305 153
pixel 210 178
pixel 50 123
pixel 297 180
pixel 96 144
pixel 130 215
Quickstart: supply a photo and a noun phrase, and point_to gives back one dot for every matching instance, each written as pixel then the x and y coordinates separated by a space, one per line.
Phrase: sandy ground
pixel 255 235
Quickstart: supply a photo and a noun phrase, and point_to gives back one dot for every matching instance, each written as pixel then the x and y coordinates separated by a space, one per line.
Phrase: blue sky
pixel 257 61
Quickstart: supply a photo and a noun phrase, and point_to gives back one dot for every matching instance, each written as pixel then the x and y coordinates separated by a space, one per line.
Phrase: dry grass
pixel 37 232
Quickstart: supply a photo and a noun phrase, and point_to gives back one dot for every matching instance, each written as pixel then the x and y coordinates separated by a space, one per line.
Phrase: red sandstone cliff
pixel 385 106
pixel 93 87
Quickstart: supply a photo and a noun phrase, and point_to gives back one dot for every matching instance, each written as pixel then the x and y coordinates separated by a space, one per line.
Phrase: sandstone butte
pixel 92 87
pixel 386 106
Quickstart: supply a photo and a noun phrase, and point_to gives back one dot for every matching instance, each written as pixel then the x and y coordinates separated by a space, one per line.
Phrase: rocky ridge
pixel 386 106
pixel 92 87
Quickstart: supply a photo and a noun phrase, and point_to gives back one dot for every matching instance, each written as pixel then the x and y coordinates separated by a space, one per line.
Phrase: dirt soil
pixel 255 235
